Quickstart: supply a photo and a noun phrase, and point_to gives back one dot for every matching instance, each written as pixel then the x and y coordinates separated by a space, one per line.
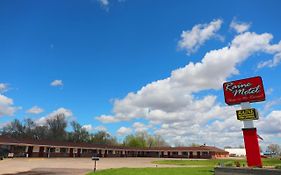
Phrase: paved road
pixel 53 171
pixel 72 166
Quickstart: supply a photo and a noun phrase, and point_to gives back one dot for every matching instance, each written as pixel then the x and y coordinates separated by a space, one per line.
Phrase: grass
pixel 204 167
pixel 215 162
pixel 155 171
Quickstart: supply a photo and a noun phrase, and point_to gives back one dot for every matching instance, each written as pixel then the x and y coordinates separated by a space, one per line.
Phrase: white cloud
pixel 269 91
pixel 140 127
pixel 3 87
pixel 35 110
pixel 67 113
pixel 7 107
pixel 172 104
pixel 88 127
pixel 200 33
pixel 107 119
pixel 100 128
pixel 270 103
pixel 124 131
pixel 5 100
pixel 104 2
pixel 272 62
pixel 57 83
pixel 239 27
pixel 270 124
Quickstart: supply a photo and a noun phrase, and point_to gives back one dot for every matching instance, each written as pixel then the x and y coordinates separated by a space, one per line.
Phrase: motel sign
pixel 244 92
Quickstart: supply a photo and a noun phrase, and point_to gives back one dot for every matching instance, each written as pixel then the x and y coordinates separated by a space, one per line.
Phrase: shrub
pixel 237 164
pixel 278 166
pixel 228 164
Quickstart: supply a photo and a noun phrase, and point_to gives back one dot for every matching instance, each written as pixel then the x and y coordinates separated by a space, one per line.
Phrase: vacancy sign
pixel 247 114
pixel 245 90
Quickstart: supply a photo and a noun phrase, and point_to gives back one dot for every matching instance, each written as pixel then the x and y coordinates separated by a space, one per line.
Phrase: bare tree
pixel 274 149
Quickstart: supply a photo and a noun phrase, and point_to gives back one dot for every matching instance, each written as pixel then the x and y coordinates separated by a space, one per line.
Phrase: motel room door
pixel 41 151
pixel 71 152
pixel 29 151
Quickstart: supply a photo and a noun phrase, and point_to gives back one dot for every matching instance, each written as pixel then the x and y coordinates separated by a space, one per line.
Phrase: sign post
pixel 95 159
pixel 244 92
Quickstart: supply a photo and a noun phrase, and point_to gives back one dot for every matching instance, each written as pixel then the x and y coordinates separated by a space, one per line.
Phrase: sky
pixel 125 66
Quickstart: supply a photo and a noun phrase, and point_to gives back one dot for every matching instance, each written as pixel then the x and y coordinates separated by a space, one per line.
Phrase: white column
pixel 247 123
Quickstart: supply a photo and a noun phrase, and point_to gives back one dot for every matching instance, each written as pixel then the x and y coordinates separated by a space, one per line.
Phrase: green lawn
pixel 205 167
pixel 215 162
pixel 156 171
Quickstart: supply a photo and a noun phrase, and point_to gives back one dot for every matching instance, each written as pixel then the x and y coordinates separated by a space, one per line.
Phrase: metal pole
pixel 95 167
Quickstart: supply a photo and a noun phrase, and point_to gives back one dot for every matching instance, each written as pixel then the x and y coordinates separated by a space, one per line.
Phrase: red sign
pixel 245 90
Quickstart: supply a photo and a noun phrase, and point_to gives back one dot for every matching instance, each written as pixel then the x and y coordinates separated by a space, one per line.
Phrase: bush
pixel 278 166
pixel 228 164
pixel 237 164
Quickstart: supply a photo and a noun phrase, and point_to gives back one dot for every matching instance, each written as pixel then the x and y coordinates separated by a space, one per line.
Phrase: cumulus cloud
pixel 239 27
pixel 90 128
pixel 124 131
pixel 7 107
pixel 107 119
pixel 269 104
pixel 271 123
pixel 272 62
pixel 3 87
pixel 67 113
pixel 34 110
pixel 57 83
pixel 191 40
pixel 173 105
pixel 140 127
pixel 103 2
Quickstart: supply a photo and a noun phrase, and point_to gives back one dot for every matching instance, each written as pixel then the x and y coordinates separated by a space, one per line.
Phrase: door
pixel 79 153
pixel 71 152
pixel 29 151
pixel 190 154
pixel 198 154
pixel 41 151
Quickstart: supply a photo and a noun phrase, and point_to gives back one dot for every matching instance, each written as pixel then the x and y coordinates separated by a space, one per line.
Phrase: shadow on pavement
pixel 54 171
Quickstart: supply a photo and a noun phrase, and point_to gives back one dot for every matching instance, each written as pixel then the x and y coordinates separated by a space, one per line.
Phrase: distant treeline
pixel 55 129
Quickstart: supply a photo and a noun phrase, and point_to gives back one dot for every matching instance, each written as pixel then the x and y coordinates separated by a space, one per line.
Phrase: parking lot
pixel 77 166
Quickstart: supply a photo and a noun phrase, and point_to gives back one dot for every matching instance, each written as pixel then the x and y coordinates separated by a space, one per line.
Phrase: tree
pixel 28 127
pixel 14 129
pixel 103 138
pixel 274 149
pixel 56 127
pixel 159 141
pixel 195 144
pixel 134 141
pixel 41 132
pixel 79 134
pixel 143 140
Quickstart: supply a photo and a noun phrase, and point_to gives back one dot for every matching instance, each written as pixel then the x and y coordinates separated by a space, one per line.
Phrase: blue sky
pixel 108 56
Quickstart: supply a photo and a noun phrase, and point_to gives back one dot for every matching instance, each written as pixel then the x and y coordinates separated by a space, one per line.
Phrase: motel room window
pixel 63 150
pixel 205 153
pixel 175 153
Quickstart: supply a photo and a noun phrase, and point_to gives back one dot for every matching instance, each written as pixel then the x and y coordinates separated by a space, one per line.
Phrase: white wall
pixel 236 151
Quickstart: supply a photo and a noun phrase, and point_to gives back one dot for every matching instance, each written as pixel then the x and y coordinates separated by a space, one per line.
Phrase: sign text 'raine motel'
pixel 245 90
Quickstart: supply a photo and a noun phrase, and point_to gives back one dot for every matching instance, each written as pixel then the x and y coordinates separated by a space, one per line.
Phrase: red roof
pixel 4 140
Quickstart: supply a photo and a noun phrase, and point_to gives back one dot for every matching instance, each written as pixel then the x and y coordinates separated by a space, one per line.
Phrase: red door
pixel 71 152
pixel 29 151
pixel 79 153
pixel 41 151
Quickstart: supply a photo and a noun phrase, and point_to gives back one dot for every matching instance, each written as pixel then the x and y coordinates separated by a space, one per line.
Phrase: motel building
pixel 44 148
